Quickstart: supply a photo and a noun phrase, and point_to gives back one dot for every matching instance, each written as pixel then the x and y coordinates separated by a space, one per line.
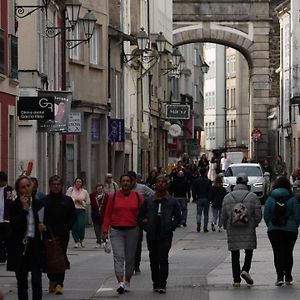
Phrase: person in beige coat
pixel 81 199
pixel 241 214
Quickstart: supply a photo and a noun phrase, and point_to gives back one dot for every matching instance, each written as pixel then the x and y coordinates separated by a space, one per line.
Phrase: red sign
pixel 256 134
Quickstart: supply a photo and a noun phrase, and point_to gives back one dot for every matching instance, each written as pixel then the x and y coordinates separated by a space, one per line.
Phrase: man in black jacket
pixel 159 217
pixel 201 188
pixel 59 216
pixel 179 188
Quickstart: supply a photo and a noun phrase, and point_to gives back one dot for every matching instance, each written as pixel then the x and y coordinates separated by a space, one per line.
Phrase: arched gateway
pixel 250 27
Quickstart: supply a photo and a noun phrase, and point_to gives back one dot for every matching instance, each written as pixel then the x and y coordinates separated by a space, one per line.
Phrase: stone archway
pixel 253 31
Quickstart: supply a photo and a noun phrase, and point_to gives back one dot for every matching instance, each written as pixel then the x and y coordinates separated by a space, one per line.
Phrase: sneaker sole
pixel 280 283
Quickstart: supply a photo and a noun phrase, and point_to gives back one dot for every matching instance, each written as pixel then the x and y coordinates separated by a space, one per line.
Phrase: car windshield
pixel 248 170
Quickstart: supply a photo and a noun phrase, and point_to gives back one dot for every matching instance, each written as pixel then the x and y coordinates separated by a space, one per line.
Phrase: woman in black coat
pixel 25 244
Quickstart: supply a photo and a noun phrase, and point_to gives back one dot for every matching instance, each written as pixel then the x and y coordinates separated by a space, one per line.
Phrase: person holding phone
pixel 25 247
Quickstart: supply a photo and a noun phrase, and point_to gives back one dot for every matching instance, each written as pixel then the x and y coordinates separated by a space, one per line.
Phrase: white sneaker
pixel 76 245
pixel 97 246
pixel 82 244
pixel 127 286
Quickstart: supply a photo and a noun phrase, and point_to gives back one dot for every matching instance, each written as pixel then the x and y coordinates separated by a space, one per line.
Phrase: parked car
pixel 259 182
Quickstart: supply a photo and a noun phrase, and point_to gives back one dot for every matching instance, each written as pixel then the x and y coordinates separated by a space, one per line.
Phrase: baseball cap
pixel 108 175
pixel 242 177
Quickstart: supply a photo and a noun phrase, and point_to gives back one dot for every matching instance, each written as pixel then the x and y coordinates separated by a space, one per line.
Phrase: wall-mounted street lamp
pixel 142 52
pixel 204 67
pixel 175 65
pixel 22 11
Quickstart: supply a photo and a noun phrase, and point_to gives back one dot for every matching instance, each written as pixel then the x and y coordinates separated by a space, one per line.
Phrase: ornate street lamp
pixel 176 57
pixel 142 40
pixel 73 10
pixel 204 67
pixel 22 11
pixel 161 43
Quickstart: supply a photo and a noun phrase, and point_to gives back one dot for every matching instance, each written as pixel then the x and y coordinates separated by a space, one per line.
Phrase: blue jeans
pixel 183 202
pixel 202 206
pixel 217 216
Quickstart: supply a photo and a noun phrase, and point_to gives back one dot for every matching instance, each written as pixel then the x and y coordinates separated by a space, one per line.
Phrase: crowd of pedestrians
pixel 34 225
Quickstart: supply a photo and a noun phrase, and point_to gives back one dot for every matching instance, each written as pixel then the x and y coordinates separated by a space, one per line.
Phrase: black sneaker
pixel 213 227
pixel 206 230
pixel 121 289
pixel 198 228
pixel 288 280
pixel 184 224
pixel 246 276
pixel 279 281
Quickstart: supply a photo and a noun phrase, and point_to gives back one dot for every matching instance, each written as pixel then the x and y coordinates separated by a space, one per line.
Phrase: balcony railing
pixel 1 51
pixel 13 57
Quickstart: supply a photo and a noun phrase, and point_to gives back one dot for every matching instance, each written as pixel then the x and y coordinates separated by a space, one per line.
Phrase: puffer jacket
pixel 292 211
pixel 241 237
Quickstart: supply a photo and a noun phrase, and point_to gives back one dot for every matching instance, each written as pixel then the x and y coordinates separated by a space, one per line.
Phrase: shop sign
pixel 36 108
pixel 178 111
pixel 62 109
pixel 74 124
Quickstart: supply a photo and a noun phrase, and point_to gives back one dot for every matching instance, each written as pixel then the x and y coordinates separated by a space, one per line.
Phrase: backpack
pixel 279 217
pixel 239 214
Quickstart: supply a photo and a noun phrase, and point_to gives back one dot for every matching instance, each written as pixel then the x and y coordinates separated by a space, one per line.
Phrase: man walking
pixel 5 200
pixel 201 188
pixel 241 214
pixel 59 216
pixel 159 217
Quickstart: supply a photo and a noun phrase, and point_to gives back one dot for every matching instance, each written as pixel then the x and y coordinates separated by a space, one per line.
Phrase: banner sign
pixel 74 124
pixel 116 130
pixel 36 108
pixel 62 109
pixel 95 130
pixel 178 111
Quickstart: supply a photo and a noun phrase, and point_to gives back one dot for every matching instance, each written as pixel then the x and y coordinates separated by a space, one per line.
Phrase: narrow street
pixel 199 269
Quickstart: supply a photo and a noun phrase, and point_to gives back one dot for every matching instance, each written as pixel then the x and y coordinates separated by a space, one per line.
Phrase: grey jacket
pixel 241 237
pixel 146 192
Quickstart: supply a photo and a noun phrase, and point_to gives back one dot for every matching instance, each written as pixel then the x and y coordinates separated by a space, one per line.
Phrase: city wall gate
pixel 250 27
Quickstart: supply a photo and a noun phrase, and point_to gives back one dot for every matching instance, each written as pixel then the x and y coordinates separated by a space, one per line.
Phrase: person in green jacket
pixel 282 235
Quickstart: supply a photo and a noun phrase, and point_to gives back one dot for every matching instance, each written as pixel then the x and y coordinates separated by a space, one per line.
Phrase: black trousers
pixel 30 264
pixel 159 261
pixel 283 243
pixel 59 278
pixel 235 261
pixel 138 254
pixel 4 234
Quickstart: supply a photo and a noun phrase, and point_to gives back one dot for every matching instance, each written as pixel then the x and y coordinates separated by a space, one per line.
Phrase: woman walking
pixel 98 204
pixel 81 199
pixel 282 216
pixel 121 218
pixel 212 169
pixel 25 244
pixel 216 196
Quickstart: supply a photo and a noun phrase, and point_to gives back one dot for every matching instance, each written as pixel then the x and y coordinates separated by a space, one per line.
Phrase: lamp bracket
pixel 26 10
pixel 71 44
pixel 52 32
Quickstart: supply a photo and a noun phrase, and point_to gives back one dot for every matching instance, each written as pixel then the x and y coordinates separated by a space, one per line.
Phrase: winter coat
pixel 216 196
pixel 292 211
pixel 18 223
pixel 8 198
pixel 241 237
pixel 98 207
pixel 180 187
pixel 160 226
pixel 279 168
pixel 201 187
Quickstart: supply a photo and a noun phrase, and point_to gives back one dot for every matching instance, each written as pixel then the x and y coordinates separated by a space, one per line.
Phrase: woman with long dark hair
pixel 25 244
pixel 121 222
pixel 282 216
pixel 81 199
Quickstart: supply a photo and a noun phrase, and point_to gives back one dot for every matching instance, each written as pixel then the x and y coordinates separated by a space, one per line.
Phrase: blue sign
pixel 116 130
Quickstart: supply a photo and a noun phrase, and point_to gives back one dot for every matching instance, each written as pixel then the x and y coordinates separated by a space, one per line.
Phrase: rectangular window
pixel 228 66
pixel 227 130
pixel 75 35
pixel 233 64
pixel 13 56
pixel 234 129
pixel 1 51
pixel 95 47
